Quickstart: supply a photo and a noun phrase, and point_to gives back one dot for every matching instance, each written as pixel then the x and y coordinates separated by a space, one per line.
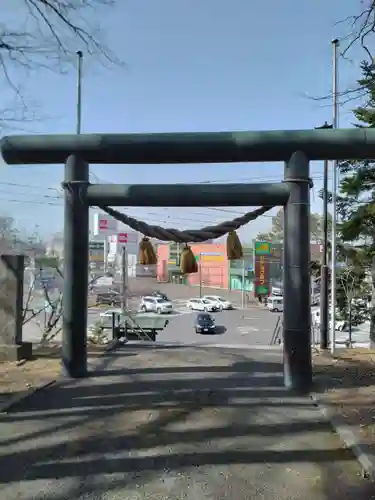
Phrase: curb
pixel 349 437
pixel 17 398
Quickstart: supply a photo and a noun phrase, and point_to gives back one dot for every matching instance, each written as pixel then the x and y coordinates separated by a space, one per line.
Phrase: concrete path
pixel 175 423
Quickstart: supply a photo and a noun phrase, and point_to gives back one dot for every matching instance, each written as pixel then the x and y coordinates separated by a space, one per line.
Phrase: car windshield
pixel 205 301
pixel 204 317
pixel 160 300
pixel 221 300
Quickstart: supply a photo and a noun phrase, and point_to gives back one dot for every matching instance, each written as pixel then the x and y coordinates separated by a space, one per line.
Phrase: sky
pixel 190 65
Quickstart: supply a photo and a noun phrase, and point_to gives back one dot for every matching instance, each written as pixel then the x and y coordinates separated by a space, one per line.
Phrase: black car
pixel 108 298
pixel 160 295
pixel 204 323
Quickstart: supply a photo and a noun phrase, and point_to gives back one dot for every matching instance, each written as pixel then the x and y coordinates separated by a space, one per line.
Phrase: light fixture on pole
pixel 335 45
pixel 79 92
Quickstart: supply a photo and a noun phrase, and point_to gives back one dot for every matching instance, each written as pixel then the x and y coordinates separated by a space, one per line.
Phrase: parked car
pixel 161 295
pixel 201 305
pixel 110 298
pixel 156 304
pixel 219 301
pixel 204 323
pixel 275 303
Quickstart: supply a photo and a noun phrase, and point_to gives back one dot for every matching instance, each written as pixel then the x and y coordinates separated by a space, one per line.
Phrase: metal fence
pixel 277 336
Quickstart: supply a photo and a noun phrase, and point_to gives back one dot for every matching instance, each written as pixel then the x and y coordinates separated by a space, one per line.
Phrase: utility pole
pixel 324 316
pixel 105 250
pixel 335 44
pixel 200 275
pixel 124 281
pixel 243 285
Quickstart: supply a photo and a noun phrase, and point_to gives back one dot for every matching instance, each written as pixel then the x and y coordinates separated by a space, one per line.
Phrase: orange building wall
pixel 162 263
pixel 213 269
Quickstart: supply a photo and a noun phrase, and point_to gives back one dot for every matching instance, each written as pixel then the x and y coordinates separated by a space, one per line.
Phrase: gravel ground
pixel 346 383
pixel 175 423
pixel 18 377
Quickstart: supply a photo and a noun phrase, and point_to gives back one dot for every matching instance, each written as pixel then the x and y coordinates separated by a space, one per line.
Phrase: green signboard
pixel 262 290
pixel 262 248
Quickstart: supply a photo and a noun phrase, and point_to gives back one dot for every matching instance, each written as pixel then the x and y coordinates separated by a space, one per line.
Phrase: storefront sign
pixel 104 224
pixel 96 251
pixel 261 275
pixel 262 248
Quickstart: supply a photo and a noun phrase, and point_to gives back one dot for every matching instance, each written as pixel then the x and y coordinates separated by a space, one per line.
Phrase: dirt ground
pixel 18 377
pixel 175 422
pixel 346 383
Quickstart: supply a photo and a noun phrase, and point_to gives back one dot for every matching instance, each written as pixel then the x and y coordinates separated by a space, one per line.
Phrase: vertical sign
pixel 262 248
pixel 103 224
pixel 262 251
pixel 122 238
pixel 96 251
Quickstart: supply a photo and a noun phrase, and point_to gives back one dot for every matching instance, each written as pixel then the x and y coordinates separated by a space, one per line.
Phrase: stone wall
pixel 11 298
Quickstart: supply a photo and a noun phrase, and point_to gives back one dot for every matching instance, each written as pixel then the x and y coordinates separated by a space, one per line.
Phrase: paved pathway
pixel 176 423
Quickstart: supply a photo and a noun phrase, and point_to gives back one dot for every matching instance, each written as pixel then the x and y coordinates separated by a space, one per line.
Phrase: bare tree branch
pixel 44 35
pixel 361 28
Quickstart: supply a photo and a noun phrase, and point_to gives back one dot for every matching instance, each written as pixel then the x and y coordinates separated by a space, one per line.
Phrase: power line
pixel 57 199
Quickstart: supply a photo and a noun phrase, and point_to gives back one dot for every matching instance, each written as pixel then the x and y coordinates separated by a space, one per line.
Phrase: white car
pixel 202 305
pixel 219 301
pixel 156 304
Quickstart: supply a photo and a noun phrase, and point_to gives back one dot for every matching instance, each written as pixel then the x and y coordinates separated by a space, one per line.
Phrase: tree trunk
pixel 372 318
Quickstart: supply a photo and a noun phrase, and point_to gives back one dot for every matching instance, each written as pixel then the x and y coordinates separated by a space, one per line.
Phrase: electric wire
pixel 56 200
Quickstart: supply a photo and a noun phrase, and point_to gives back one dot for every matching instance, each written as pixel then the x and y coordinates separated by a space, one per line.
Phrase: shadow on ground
pixel 175 418
pixel 332 373
pixel 54 351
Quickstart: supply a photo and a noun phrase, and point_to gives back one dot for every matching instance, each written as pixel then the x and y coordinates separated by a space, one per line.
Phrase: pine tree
pixel 356 200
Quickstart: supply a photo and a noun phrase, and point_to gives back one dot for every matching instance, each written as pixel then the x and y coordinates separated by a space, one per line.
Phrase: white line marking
pixel 159 343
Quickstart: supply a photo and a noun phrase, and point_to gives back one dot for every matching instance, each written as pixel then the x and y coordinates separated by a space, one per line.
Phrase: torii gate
pixel 295 148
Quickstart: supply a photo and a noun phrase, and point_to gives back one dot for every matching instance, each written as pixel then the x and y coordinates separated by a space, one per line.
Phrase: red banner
pixel 261 272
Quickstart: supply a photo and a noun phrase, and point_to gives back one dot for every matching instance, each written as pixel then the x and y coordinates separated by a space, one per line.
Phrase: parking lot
pixel 250 326
pixel 238 327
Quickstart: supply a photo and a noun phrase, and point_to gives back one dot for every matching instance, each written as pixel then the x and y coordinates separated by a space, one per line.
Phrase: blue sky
pixel 197 65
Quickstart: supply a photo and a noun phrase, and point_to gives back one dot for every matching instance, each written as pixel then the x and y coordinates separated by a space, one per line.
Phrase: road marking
pixel 159 344
pixel 246 330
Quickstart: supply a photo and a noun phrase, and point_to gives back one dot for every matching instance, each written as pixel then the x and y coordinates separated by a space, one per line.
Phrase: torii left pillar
pixel 76 248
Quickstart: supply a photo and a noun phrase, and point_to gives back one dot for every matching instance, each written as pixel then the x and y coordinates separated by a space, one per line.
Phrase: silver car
pixel 156 304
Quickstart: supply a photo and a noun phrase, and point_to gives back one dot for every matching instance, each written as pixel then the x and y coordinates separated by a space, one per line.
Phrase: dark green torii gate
pixel 295 148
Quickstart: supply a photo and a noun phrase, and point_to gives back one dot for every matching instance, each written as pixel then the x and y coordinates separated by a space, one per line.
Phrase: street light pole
pixel 324 316
pixel 335 44
pixel 79 92
pixel 200 275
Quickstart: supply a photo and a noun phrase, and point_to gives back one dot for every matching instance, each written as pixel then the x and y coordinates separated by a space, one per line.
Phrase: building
pixel 256 273
pixel 212 265
pixel 56 246
pixel 241 272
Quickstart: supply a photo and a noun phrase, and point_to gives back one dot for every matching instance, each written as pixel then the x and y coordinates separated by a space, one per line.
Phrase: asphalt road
pixel 251 326
pixel 247 327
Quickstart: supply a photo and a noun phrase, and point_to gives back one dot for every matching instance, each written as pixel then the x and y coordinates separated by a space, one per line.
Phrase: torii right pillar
pixel 297 311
